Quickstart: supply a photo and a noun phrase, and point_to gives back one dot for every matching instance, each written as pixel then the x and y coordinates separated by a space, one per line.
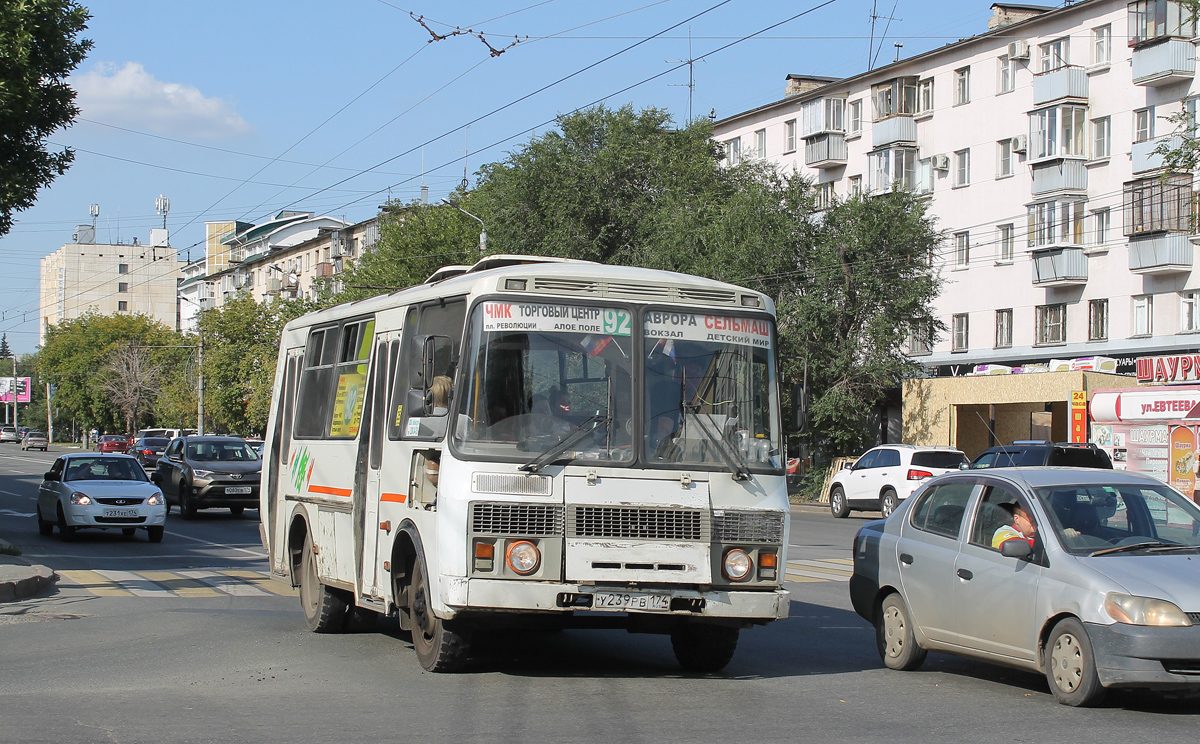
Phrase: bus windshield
pixel 537 373
pixel 709 382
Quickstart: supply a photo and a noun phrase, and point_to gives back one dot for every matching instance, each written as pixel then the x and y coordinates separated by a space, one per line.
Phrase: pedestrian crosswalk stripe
pixel 262 582
pixel 802 570
pixel 181 585
pixel 227 584
pixel 816 574
pixel 839 568
pixel 189 583
pixel 135 584
pixel 844 561
pixel 99 585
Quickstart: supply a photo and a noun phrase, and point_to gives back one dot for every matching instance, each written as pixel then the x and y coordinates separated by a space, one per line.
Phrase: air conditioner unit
pixel 1019 143
pixel 1018 50
pixel 941 162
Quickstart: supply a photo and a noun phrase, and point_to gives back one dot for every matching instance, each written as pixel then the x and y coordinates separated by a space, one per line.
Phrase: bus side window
pixel 379 410
pixel 443 319
pixel 351 389
pixel 314 398
pixel 289 402
pixel 400 375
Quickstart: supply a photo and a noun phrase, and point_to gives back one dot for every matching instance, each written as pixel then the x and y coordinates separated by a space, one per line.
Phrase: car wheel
pixel 324 610
pixel 837 503
pixel 894 636
pixel 65 532
pixel 155 533
pixel 187 508
pixel 44 528
pixel 1071 666
pixel 704 648
pixel 888 502
pixel 237 510
pixel 440 646
pixel 129 531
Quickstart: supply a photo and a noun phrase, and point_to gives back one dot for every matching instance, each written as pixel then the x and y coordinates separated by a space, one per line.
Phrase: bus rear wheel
pixel 440 647
pixel 324 610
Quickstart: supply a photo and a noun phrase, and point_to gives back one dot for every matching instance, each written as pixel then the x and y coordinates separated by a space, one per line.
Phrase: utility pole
pixel 200 398
pixel 15 383
pixel 691 63
pixel 49 417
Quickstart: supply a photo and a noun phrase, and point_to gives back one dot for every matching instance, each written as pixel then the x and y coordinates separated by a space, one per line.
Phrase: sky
pixel 237 110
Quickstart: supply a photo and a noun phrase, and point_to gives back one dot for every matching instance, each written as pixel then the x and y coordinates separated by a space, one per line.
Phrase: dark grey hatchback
pixel 203 472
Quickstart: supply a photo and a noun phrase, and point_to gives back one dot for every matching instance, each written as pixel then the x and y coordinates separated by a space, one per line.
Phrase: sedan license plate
pixel 631 601
pixel 121 513
pixel 237 489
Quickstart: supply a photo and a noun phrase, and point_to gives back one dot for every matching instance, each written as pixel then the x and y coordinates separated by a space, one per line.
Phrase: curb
pixel 19 580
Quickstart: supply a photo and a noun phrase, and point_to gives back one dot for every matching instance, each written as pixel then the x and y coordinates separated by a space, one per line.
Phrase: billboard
pixel 6 389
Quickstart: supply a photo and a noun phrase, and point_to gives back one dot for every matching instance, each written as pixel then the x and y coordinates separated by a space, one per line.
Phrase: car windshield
pixel 944 460
pixel 103 468
pixel 220 452
pixel 113 438
pixel 1092 517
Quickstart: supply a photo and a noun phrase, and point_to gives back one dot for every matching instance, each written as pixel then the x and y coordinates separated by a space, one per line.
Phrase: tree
pixel 132 382
pixel 39 47
pixel 5 351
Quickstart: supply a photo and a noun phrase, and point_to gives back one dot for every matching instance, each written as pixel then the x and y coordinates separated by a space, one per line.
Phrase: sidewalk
pixel 19 578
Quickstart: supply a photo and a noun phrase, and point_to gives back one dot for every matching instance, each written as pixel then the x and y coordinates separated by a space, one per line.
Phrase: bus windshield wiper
pixel 577 434
pixel 729 453
pixel 1148 545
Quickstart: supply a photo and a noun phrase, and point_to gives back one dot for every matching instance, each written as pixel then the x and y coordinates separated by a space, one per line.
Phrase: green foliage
pixel 39 47
pixel 5 351
pixel 241 345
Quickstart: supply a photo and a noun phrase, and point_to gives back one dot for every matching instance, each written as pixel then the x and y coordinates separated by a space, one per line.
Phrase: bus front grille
pixel 637 523
pixel 747 527
pixel 531 520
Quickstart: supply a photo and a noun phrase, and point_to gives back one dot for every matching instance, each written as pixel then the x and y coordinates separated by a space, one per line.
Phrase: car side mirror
pixel 155 478
pixel 964 466
pixel 798 416
pixel 1016 549
pixel 50 476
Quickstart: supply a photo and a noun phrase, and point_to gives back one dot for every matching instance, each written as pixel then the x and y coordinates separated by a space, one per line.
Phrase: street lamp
pixel 482 228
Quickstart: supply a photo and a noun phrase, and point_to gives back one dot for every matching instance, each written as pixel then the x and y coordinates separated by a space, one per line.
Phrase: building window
pixel 854 114
pixel 1101 45
pixel 122 286
pixel 1159 19
pixel 920 340
pixel 1143 124
pixel 1054 54
pixel 825 195
pixel 732 151
pixel 1103 219
pixel 925 96
pixel 1101 138
pixel 1189 311
pixel 1098 320
pixel 1004 328
pixel 1051 324
pixel 823 115
pixel 855 184
pixel 962 168
pixel 122 268
pixel 962 250
pixel 1143 315
pixel 1056 223
pixel 1058 131
pixel 1005 240
pixel 962 86
pixel 889 167
pixel 1005 75
pixel 760 143
pixel 1158 205
pixel 122 306
pixel 960 340
pixel 895 97
pixel 789 136
pixel 925 176
pixel 1004 158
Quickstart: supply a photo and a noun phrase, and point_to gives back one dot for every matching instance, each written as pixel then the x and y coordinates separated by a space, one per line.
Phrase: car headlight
pixel 523 557
pixel 1144 611
pixel 737 565
pixel 155 500
pixel 81 498
pixel 202 473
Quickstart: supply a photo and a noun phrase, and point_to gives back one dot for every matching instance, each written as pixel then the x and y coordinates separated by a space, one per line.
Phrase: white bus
pixel 531 442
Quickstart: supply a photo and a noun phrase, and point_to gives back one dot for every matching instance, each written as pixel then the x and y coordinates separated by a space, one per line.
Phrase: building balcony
pixel 1059 266
pixel 1145 160
pixel 825 150
pixel 1162 253
pixel 274 285
pixel 1165 63
pixel 1061 175
pixel 899 129
pixel 325 268
pixel 1067 81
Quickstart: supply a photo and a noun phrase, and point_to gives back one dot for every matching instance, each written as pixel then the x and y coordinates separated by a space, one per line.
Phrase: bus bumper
pixel 508 596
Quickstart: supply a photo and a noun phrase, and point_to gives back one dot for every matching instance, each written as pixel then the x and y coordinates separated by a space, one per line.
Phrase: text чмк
pixel 740 325
pixel 505 310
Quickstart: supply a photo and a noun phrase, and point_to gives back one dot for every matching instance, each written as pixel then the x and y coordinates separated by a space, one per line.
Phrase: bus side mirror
pixel 798 418
pixel 437 354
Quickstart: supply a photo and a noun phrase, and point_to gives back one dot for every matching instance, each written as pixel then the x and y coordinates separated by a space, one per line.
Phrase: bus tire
pixel 440 647
pixel 360 619
pixel 704 648
pixel 324 610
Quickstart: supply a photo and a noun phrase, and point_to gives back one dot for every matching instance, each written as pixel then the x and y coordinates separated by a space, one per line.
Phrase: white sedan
pixel 102 492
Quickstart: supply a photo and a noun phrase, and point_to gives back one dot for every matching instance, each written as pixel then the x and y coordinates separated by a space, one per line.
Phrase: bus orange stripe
pixel 330 491
pixel 396 497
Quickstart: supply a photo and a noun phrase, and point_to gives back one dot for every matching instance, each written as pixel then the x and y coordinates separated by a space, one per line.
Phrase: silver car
pixel 1101 591
pixel 99 491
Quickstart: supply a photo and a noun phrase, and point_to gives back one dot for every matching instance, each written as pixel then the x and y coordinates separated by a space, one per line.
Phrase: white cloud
pixel 132 97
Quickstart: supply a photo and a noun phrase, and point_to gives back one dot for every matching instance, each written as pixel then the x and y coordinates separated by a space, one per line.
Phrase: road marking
pixel 820 566
pixel 135 584
pixel 190 583
pixel 180 585
pixel 255 553
pixel 816 574
pixel 804 579
pixel 227 584
pixel 845 561
pixel 18 495
pixel 11 513
pixel 99 585
pixel 272 585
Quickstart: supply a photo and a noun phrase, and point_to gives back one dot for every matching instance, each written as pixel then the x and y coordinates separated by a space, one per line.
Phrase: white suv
pixel 887 474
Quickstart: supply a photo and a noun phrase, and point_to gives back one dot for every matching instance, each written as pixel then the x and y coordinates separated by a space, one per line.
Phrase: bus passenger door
pixel 282 480
pixel 373 579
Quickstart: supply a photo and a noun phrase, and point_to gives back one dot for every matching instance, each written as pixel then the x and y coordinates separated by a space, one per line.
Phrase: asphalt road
pixel 204 651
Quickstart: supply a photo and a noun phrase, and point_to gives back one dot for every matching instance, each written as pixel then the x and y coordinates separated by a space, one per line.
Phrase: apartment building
pixel 1034 142
pixel 84 276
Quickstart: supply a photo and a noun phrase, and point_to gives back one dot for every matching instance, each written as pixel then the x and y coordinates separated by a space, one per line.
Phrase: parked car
pixel 203 472
pixel 84 490
pixel 888 474
pixel 1103 591
pixel 112 443
pixel 8 433
pixel 35 439
pixel 148 450
pixel 1034 453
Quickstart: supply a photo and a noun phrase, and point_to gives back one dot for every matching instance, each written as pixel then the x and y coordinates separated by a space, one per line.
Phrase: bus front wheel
pixel 704 648
pixel 324 610
pixel 440 647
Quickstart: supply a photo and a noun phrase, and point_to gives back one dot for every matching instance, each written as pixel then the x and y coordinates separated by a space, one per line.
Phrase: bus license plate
pixel 237 489
pixel 631 601
pixel 121 513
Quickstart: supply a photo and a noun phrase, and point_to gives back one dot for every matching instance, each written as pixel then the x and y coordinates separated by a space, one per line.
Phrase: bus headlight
pixel 737 565
pixel 523 557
